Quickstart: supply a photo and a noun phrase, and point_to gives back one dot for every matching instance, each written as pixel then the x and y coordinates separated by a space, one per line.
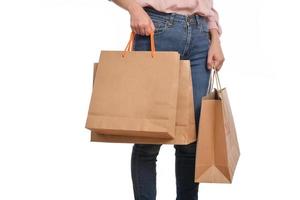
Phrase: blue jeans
pixel 189 35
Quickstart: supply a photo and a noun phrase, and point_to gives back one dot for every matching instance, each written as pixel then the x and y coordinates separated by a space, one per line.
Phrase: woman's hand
pixel 215 55
pixel 140 21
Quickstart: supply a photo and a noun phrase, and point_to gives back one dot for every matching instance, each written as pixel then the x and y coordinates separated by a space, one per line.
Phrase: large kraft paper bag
pixel 217 146
pixel 185 130
pixel 135 93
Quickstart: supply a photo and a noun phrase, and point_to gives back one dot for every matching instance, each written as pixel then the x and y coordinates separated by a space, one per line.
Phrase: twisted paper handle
pixel 131 40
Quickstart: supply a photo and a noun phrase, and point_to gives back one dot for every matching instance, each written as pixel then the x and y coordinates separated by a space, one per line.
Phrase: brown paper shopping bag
pixel 135 93
pixel 217 145
pixel 185 130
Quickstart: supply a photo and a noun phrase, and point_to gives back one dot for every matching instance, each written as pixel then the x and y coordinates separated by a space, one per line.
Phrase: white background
pixel 47 51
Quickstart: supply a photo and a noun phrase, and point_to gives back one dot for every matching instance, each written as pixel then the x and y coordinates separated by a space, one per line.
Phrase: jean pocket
pixel 161 24
pixel 203 27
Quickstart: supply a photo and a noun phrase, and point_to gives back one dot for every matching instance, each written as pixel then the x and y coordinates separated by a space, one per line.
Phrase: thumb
pixel 210 61
pixel 152 26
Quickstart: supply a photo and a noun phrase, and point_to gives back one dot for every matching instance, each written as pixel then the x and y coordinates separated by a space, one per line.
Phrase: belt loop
pixel 171 17
pixel 197 20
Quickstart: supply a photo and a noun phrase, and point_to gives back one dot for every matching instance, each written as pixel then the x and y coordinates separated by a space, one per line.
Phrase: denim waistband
pixel 195 18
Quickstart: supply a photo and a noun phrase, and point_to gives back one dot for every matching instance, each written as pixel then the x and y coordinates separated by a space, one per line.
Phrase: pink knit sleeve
pixel 213 20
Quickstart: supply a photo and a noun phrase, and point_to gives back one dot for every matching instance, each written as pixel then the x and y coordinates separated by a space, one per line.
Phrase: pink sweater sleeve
pixel 213 20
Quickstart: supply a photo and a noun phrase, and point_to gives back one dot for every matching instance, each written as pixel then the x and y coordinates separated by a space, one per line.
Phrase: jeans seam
pixel 188 40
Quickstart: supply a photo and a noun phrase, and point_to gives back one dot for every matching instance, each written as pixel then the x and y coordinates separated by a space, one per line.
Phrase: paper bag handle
pixel 213 75
pixel 131 40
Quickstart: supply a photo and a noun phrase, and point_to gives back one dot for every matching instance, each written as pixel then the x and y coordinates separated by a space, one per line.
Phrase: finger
pixel 213 65
pixel 209 62
pixel 152 27
pixel 148 30
pixel 136 29
pixel 140 30
pixel 144 29
pixel 217 66
pixel 221 64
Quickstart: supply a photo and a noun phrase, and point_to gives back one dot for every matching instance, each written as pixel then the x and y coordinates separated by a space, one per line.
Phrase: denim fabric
pixel 189 35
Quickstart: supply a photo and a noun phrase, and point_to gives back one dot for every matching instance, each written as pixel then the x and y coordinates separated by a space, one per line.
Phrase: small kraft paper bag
pixel 218 150
pixel 185 130
pixel 135 93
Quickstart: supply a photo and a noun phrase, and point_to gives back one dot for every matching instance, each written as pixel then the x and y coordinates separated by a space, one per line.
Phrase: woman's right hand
pixel 140 21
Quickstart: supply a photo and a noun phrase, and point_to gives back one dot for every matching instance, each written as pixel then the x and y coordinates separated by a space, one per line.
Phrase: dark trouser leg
pixel 143 170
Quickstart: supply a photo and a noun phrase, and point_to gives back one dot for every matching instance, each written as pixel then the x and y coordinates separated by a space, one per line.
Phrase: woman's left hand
pixel 215 55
